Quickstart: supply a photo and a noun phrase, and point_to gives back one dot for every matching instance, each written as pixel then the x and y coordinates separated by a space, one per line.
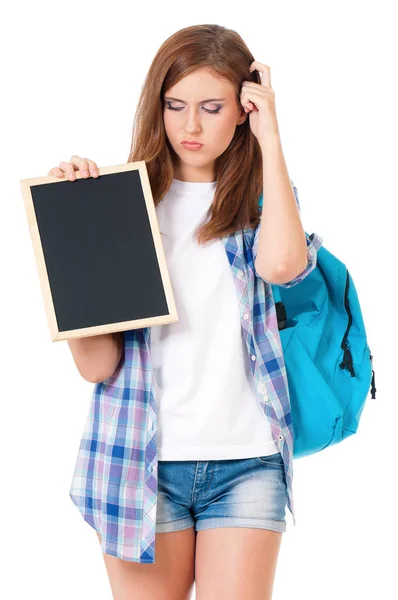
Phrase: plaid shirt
pixel 114 484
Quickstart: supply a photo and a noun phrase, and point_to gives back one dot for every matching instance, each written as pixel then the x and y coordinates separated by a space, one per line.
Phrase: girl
pixel 189 439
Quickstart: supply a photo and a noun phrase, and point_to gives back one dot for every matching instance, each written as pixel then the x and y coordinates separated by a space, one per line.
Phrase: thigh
pixel 249 492
pixel 170 577
pixel 236 562
pixel 174 501
pixel 239 530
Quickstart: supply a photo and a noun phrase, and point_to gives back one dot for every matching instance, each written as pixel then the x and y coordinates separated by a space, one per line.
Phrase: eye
pixel 213 112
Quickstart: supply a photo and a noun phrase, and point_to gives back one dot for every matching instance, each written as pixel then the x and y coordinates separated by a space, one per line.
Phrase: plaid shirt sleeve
pixel 314 242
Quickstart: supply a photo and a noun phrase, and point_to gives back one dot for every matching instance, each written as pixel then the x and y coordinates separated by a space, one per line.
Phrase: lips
pixel 191 144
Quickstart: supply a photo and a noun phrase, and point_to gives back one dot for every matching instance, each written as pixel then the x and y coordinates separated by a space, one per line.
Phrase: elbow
pixel 98 378
pixel 285 274
pixel 282 274
pixel 108 371
pixel 94 378
pixel 267 276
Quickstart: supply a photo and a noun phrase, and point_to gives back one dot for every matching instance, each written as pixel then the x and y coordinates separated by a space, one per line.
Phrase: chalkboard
pixel 98 251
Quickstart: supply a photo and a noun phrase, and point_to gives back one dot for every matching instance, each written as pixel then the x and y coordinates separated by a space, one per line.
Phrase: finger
pixel 256 88
pixel 56 172
pixel 93 167
pixel 250 96
pixel 251 108
pixel 264 70
pixel 68 169
pixel 81 163
pixel 251 85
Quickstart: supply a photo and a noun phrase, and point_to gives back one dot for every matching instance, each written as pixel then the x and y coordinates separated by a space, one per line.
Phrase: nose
pixel 193 123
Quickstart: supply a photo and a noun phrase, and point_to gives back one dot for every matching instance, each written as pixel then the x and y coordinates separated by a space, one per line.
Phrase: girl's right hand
pixel 86 166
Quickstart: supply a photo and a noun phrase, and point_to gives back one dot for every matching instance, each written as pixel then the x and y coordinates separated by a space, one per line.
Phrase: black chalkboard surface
pixel 98 251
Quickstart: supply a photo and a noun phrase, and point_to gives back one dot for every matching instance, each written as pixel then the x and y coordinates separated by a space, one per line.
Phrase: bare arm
pixel 282 246
pixel 97 357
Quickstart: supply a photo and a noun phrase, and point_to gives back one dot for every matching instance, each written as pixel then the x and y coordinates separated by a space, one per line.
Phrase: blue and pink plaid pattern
pixel 114 484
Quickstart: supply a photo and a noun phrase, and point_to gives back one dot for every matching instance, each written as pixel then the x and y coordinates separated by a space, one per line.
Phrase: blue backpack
pixel 328 361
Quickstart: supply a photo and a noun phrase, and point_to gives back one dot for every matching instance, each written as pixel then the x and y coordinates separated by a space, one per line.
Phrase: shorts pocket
pixel 273 460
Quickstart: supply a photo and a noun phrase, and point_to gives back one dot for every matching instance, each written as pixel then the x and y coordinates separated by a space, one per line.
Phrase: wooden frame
pixel 28 186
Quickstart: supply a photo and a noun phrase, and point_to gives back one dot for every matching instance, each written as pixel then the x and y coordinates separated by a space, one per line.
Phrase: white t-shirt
pixel 206 401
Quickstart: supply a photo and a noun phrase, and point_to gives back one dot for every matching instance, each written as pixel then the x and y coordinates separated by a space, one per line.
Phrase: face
pixel 201 107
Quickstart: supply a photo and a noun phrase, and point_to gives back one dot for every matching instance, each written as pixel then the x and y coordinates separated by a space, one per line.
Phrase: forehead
pixel 202 83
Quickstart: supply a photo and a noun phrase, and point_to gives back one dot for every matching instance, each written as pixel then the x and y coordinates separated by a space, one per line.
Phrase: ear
pixel 242 117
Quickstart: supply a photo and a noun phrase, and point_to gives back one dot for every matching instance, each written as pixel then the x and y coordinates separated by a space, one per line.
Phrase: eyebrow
pixel 201 102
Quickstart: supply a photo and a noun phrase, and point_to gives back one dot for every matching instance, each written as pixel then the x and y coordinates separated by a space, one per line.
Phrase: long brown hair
pixel 238 169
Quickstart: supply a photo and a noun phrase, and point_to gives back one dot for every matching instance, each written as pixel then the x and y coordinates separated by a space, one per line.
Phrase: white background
pixel 71 76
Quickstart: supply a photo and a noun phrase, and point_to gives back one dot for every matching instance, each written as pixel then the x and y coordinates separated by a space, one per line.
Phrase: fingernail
pixel 85 173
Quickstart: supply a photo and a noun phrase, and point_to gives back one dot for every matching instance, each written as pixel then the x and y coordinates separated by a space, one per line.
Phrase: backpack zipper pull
pixel 373 389
pixel 347 362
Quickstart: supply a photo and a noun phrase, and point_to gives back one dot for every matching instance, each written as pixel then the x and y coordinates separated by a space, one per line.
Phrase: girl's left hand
pixel 259 100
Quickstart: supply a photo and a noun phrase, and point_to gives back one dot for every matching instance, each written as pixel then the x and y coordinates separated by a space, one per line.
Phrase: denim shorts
pixel 244 492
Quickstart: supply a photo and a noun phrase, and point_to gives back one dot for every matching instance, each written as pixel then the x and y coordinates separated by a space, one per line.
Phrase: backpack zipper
pixel 347 362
